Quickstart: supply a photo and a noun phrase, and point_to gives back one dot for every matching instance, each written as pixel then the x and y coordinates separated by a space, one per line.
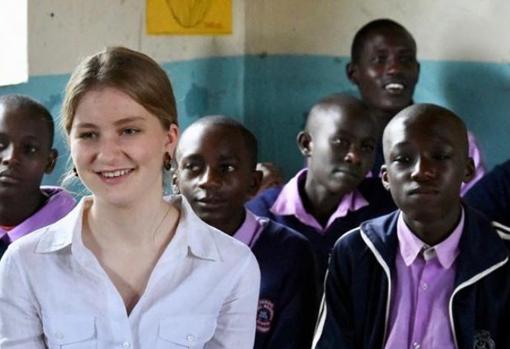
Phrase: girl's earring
pixel 167 162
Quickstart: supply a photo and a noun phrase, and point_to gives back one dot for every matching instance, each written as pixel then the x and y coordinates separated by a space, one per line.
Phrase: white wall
pixel 444 30
pixel 62 32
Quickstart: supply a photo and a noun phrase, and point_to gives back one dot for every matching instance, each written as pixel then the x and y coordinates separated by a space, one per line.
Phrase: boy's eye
pixel 407 58
pixel 228 168
pixel 379 59
pixel 31 149
pixel 402 159
pixel 192 167
pixel 340 142
pixel 368 148
pixel 441 156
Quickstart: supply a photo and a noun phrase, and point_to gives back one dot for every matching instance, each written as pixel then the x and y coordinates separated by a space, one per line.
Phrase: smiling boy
pixel 420 277
pixel 26 154
pixel 216 158
pixel 385 70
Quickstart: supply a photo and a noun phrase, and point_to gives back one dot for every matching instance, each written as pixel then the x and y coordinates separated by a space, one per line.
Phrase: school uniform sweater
pixel 288 302
pixel 379 203
pixel 491 194
pixel 358 288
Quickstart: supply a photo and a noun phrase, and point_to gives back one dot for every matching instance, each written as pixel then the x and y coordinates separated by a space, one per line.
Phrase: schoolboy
pixel 433 274
pixel 216 159
pixel 385 70
pixel 491 194
pixel 26 154
pixel 329 196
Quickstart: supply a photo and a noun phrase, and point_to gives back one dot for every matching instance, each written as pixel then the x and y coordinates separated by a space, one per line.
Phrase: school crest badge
pixel 265 314
pixel 483 340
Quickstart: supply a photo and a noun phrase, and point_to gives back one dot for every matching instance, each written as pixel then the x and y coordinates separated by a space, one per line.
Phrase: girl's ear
pixel 304 141
pixel 384 177
pixel 52 160
pixel 172 137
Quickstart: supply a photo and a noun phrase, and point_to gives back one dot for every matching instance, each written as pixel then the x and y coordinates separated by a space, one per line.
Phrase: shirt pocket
pixel 191 332
pixel 70 332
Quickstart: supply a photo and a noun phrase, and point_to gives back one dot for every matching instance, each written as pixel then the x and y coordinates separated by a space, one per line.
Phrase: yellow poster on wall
pixel 189 17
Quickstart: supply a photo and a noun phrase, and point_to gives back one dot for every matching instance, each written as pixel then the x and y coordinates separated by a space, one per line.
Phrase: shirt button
pixel 424 286
pixel 126 345
pixel 190 338
pixel 416 345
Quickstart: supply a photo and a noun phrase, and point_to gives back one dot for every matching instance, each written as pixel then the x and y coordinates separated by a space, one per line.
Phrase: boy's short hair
pixel 427 110
pixel 335 100
pixel 15 101
pixel 249 138
pixel 373 26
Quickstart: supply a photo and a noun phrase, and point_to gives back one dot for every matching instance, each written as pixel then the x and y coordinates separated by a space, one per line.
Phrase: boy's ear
pixel 469 172
pixel 175 179
pixel 304 141
pixel 351 72
pixel 256 179
pixel 52 160
pixel 384 177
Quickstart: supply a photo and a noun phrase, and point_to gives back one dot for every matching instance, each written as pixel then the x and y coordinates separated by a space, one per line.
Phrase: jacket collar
pixel 481 246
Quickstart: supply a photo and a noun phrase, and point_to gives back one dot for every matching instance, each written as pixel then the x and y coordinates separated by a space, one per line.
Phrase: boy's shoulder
pixel 279 240
pixel 279 234
pixel 262 202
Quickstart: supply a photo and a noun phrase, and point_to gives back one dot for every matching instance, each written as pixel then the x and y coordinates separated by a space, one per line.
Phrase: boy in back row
pixel 26 154
pixel 331 195
pixel 216 158
pixel 434 274
pixel 385 70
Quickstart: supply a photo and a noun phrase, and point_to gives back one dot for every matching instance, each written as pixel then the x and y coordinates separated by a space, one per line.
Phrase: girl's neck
pixel 130 225
pixel 15 210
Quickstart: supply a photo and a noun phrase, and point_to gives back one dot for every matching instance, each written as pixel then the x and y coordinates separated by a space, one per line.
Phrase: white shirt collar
pixel 194 233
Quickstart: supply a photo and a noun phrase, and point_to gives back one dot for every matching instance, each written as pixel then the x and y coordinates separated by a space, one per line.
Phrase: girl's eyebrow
pixel 116 123
pixel 128 120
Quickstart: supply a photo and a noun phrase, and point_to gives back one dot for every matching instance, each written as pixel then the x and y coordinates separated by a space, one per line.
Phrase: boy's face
pixel 216 175
pixel 25 151
pixel 340 149
pixel 387 71
pixel 426 162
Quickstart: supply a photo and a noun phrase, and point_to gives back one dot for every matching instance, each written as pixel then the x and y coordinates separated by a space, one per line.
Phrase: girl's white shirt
pixel 202 292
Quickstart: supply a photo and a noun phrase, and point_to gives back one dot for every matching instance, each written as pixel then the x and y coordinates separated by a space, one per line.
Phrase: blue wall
pixel 272 93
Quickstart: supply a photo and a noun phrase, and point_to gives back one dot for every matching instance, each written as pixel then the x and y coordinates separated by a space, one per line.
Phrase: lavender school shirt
pixel 421 291
pixel 59 203
pixel 284 205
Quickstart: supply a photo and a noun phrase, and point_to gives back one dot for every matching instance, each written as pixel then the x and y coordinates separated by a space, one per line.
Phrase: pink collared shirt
pixel 422 287
pixel 249 232
pixel 289 202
